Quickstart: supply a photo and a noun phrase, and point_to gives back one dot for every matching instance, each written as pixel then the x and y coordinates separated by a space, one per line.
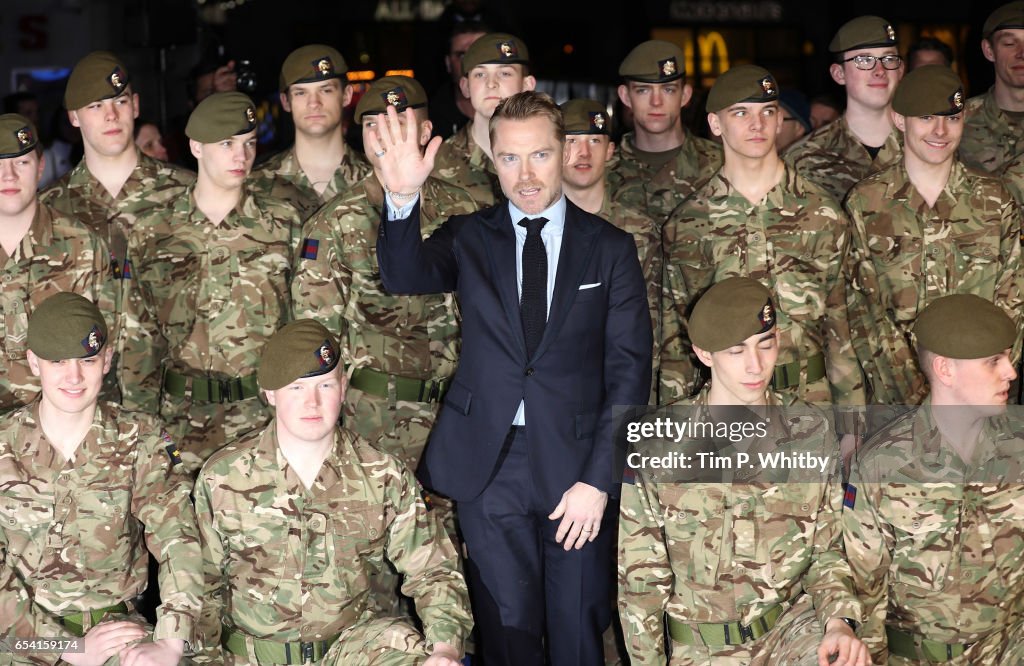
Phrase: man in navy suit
pixel 555 334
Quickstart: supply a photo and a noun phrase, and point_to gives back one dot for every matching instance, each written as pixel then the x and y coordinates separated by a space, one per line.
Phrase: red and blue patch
pixel 126 274
pixel 850 496
pixel 310 248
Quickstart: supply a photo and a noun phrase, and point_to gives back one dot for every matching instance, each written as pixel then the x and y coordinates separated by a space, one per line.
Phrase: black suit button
pixel 529 372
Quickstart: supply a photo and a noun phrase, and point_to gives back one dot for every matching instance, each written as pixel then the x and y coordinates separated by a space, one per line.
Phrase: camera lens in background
pixel 246 81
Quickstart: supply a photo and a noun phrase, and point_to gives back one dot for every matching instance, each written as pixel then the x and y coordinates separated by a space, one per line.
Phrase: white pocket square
pixel 589 286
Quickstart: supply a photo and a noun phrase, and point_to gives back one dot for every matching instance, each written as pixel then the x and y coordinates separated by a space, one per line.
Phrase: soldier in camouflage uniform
pixel 659 165
pixel 210 285
pixel 589 148
pixel 925 228
pixel 933 513
pixel 319 167
pixel 494 67
pixel 746 567
pixel 994 128
pixel 295 519
pixel 42 252
pixel 81 485
pixel 115 183
pixel 862 141
pixel 768 223
pixel 404 349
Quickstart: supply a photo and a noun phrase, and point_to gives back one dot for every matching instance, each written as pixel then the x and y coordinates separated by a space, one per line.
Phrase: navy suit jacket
pixel 595 353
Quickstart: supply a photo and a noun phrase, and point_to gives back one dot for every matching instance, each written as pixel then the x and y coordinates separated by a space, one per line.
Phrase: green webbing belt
pixel 407 389
pixel 209 389
pixel 274 652
pixel 718 634
pixel 74 622
pixel 787 375
pixel 909 646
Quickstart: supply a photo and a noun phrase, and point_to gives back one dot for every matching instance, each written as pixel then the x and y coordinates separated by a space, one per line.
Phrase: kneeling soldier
pixel 81 484
pixel 296 519
pixel 933 512
pixel 748 570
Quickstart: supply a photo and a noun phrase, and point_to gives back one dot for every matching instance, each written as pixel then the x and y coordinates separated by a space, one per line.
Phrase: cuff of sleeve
pixel 849 608
pixel 446 633
pixel 400 212
pixel 175 624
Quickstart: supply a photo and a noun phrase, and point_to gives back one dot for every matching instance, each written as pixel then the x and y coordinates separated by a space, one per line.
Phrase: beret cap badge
pixel 93 341
pixel 24 136
pixel 597 120
pixel 326 355
pixel 890 33
pixel 508 49
pixel 957 100
pixel 768 85
pixel 667 66
pixel 250 114
pixel 767 316
pixel 396 98
pixel 116 79
pixel 324 66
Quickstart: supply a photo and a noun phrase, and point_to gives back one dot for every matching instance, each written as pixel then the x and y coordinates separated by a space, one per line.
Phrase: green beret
pixel 585 116
pixel 730 312
pixel 964 326
pixel 653 61
pixel 496 48
pixel 316 62
pixel 221 116
pixel 99 75
pixel 930 90
pixel 66 325
pixel 1010 15
pixel 742 83
pixel 400 92
pixel 303 348
pixel 17 135
pixel 863 32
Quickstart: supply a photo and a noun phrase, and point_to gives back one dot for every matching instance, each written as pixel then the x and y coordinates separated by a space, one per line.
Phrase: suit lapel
pixel 578 241
pixel 500 242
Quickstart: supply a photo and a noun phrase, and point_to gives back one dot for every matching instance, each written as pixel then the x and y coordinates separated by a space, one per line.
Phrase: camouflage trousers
pixel 200 428
pixel 397 427
pixel 793 641
pixel 1000 648
pixel 385 641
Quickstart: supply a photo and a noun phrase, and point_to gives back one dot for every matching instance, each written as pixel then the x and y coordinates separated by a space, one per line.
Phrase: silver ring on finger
pixel 380 153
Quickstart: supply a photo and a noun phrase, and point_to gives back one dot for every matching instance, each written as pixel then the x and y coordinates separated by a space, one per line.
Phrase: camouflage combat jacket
pixel 204 298
pixel 152 185
pixel 905 254
pixel 465 165
pixel 77 530
pixel 730 550
pixel 936 544
pixel 795 242
pixel 285 563
pixel 281 177
pixel 833 158
pixel 991 138
pixel 636 184
pixel 56 254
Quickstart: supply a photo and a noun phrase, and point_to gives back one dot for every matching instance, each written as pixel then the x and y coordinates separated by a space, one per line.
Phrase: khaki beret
pixel 863 32
pixel 303 348
pixel 400 92
pixel 930 90
pixel 730 312
pixel 742 83
pixel 585 116
pixel 964 326
pixel 315 62
pixel 17 135
pixel 99 75
pixel 221 116
pixel 653 61
pixel 496 48
pixel 1010 15
pixel 66 325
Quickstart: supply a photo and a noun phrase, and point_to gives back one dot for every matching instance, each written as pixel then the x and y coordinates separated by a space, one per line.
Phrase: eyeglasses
pixel 867 62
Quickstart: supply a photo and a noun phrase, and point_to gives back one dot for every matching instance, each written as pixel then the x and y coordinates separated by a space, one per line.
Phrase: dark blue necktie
pixel 533 304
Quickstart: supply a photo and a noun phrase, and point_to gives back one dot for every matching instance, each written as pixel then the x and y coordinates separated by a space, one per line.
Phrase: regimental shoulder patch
pixel 171 448
pixel 115 267
pixel 427 500
pixel 310 248
pixel 629 476
pixel 850 496
pixel 126 274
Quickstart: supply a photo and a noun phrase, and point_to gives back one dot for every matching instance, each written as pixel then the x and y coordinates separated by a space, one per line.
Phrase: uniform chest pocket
pixel 694 520
pixel 260 284
pixel 259 551
pixel 25 521
pixel 106 532
pixel 358 537
pixel 977 260
pixel 924 533
pixel 790 522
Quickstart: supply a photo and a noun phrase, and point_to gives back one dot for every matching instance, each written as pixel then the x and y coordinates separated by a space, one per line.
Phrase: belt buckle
pixel 434 394
pixel 307 651
pixel 746 633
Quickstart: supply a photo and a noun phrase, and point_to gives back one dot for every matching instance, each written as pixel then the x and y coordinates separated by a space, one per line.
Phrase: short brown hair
pixel 525 105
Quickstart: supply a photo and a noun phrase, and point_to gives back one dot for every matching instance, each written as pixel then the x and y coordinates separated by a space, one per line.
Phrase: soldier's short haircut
pixel 525 105
pixel 924 360
pixel 931 44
